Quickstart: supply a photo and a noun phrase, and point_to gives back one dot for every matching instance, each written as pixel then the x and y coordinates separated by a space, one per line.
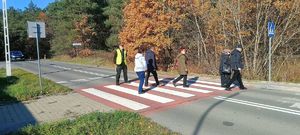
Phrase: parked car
pixel 16 55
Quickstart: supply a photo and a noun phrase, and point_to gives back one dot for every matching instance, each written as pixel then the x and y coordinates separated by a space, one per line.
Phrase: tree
pixel 148 21
pixel 63 16
pixel 114 21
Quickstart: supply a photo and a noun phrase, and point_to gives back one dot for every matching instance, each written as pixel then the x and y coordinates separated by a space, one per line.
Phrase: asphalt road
pixel 252 112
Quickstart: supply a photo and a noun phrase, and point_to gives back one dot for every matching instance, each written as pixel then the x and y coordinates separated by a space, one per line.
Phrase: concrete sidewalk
pixel 46 109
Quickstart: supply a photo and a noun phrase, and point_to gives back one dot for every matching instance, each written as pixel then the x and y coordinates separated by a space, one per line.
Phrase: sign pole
pixel 270 61
pixel 38 54
pixel 6 39
pixel 271 34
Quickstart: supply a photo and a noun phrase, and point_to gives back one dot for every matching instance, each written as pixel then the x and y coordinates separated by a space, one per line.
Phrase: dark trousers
pixel 154 73
pixel 236 75
pixel 184 80
pixel 119 69
pixel 141 76
pixel 225 78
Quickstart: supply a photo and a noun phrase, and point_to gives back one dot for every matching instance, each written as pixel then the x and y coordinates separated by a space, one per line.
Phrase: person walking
pixel 151 65
pixel 224 68
pixel 236 67
pixel 140 67
pixel 121 64
pixel 181 63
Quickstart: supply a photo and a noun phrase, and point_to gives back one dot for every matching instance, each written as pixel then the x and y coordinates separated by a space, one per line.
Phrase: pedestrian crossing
pixel 126 95
pixel 117 99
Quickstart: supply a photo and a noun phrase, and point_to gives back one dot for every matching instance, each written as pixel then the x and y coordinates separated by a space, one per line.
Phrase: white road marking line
pixel 171 92
pixel 296 105
pixel 62 82
pixel 145 95
pixel 95 78
pixel 207 82
pixel 268 107
pixel 190 89
pixel 207 86
pixel 79 80
pixel 116 99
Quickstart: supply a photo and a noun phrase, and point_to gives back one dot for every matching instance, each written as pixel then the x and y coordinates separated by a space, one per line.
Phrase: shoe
pixel 141 92
pixel 227 89
pixel 117 84
pixel 174 84
pixel 243 88
pixel 185 86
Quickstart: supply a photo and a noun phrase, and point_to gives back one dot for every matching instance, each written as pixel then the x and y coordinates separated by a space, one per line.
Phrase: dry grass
pixel 289 72
pixel 98 58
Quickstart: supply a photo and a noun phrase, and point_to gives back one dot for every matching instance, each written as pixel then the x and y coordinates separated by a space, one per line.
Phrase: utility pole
pixel 6 39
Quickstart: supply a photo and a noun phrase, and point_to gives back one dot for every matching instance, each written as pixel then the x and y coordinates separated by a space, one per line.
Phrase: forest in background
pixel 205 27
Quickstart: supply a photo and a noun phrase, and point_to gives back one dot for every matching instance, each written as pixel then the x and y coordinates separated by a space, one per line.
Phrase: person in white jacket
pixel 140 67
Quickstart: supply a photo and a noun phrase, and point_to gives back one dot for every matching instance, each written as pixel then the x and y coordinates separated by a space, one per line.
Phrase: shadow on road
pixel 192 80
pixel 14 114
pixel 53 72
pixel 204 116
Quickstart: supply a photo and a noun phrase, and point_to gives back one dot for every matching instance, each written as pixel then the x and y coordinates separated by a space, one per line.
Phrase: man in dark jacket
pixel 121 64
pixel 236 66
pixel 224 68
pixel 151 65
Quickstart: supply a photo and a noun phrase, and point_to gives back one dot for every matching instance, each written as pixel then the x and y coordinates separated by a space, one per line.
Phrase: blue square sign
pixel 271 29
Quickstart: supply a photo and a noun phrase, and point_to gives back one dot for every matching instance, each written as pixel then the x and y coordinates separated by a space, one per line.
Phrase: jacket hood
pixel 138 55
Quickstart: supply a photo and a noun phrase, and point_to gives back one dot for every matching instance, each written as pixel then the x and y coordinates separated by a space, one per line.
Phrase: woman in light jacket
pixel 140 67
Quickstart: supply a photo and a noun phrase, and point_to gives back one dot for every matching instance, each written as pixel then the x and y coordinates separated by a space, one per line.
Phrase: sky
pixel 21 4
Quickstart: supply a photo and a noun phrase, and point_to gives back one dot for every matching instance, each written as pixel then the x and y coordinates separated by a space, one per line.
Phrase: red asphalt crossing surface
pixel 126 97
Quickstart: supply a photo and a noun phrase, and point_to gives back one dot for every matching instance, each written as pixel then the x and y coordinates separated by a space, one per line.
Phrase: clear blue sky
pixel 21 4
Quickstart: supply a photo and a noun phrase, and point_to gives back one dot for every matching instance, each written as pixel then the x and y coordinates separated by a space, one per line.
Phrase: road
pixel 203 108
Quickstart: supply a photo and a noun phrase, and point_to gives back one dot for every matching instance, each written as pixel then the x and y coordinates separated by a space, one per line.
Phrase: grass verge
pixel 97 123
pixel 24 86
pixel 99 58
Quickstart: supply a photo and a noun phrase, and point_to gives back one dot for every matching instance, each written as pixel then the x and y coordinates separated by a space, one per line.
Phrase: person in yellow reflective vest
pixel 121 64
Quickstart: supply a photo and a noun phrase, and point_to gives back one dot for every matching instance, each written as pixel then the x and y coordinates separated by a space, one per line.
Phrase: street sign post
pixel 271 34
pixel 76 45
pixel 37 30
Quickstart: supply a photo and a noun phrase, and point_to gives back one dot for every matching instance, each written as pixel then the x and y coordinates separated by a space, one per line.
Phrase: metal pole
pixel 6 39
pixel 270 60
pixel 38 54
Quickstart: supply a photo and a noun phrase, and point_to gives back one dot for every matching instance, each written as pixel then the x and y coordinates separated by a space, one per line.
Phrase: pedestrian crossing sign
pixel 271 29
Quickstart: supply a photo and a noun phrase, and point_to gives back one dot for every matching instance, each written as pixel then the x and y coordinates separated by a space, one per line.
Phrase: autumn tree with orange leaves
pixel 150 21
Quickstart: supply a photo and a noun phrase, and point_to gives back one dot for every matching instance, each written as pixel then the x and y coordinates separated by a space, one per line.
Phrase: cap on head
pixel 239 46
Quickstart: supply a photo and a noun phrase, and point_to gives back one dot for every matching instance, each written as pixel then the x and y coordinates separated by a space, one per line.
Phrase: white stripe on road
pixel 162 90
pixel 116 99
pixel 191 80
pixel 95 78
pixel 190 89
pixel 79 80
pixel 207 86
pixel 62 82
pixel 135 93
pixel 268 107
